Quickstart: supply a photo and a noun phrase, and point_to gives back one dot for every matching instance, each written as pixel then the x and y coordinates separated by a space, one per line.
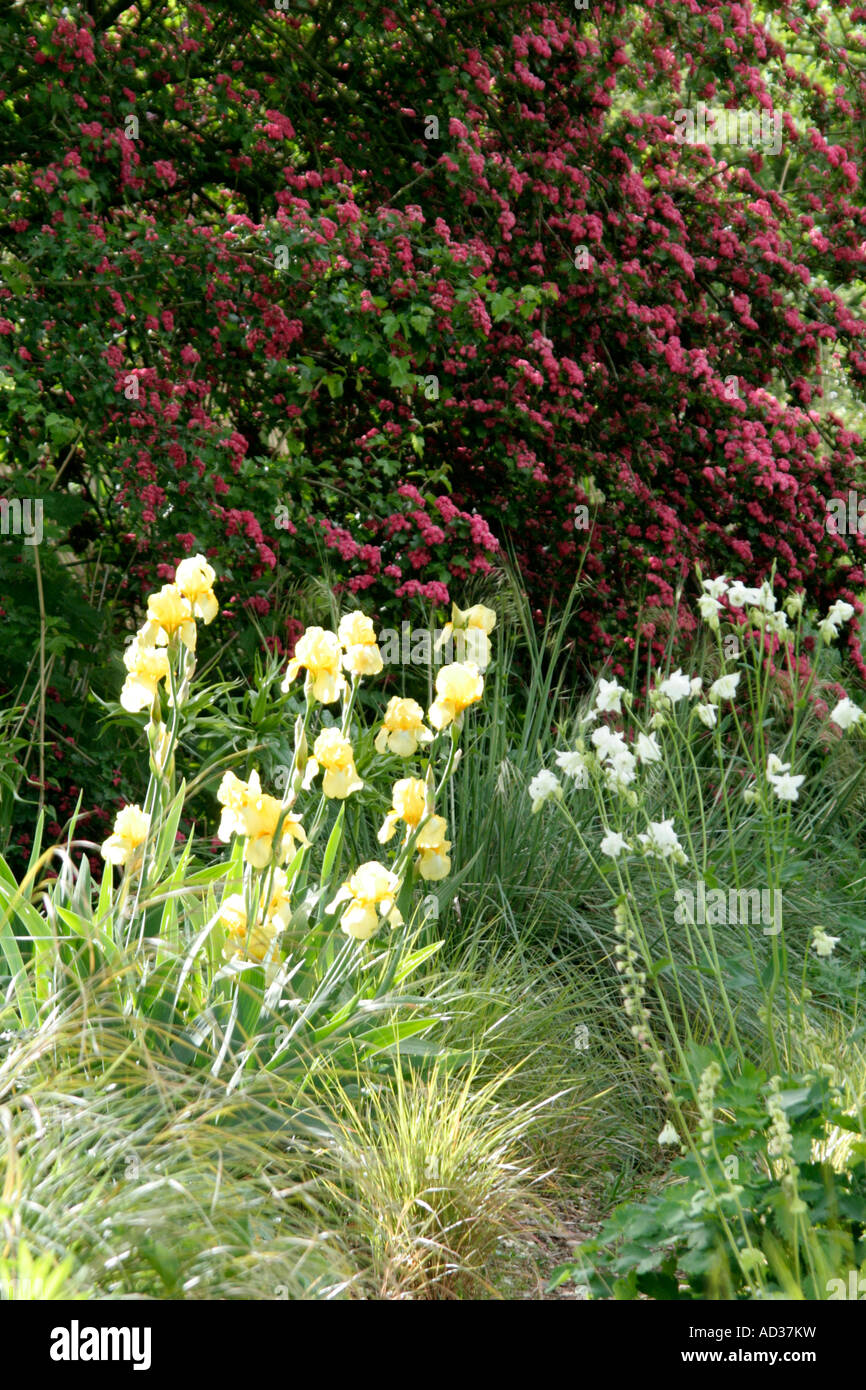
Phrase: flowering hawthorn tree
pixel 392 284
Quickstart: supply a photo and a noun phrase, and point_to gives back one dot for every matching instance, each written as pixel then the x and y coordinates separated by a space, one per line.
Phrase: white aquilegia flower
pixel 661 840
pixel 573 765
pixel 738 595
pixel 668 1135
pixel 773 622
pixel 676 686
pixel 725 687
pixel 709 609
pixel 605 740
pixel 608 697
pixel 786 786
pixel 647 749
pixel 543 786
pixel 840 612
pixel 707 715
pixel 696 685
pixel 620 771
pixel 822 943
pixel 766 598
pixel 775 766
pixel 613 844
pixel 794 605
pixel 715 587
pixel 846 713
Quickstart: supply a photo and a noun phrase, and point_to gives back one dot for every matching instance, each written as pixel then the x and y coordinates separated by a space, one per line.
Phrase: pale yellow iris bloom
pixel 320 653
pixel 131 826
pixel 457 687
pixel 403 728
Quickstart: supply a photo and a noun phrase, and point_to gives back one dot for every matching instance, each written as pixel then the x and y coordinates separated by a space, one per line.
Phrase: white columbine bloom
pixel 676 687
pixel 766 598
pixel 707 715
pixel 543 786
pixel 647 749
pixel 668 1135
pixel 573 764
pixel 725 687
pixel 710 608
pixel 620 772
pixel 613 844
pixel 840 612
pixel 605 740
pixel 794 605
pixel 846 713
pixel 775 766
pixel 738 595
pixel 786 786
pixel 715 587
pixel 661 840
pixel 823 943
pixel 608 696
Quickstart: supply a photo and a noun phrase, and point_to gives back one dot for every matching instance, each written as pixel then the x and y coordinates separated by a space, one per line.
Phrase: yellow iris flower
pixel 146 667
pixel 371 893
pixel 250 812
pixel 334 753
pixel 457 687
pixel 130 832
pixel 358 638
pixel 195 578
pixel 403 728
pixel 170 614
pixel 320 653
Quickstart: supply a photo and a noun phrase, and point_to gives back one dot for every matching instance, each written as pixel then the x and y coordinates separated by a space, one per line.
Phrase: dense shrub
pixel 265 270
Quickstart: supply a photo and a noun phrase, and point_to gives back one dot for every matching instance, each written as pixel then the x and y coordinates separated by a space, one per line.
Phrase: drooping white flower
pixel 766 597
pixel 647 749
pixel 543 786
pixel 775 766
pixel 620 772
pixel 661 839
pixel 608 697
pixel 668 1135
pixel 823 943
pixel 676 686
pixel 709 609
pixel 604 740
pixel 738 595
pixel 725 687
pixel 613 844
pixel 696 685
pixel 715 587
pixel 573 765
pixel 794 605
pixel 786 786
pixel 707 715
pixel 775 622
pixel 846 713
pixel 840 612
